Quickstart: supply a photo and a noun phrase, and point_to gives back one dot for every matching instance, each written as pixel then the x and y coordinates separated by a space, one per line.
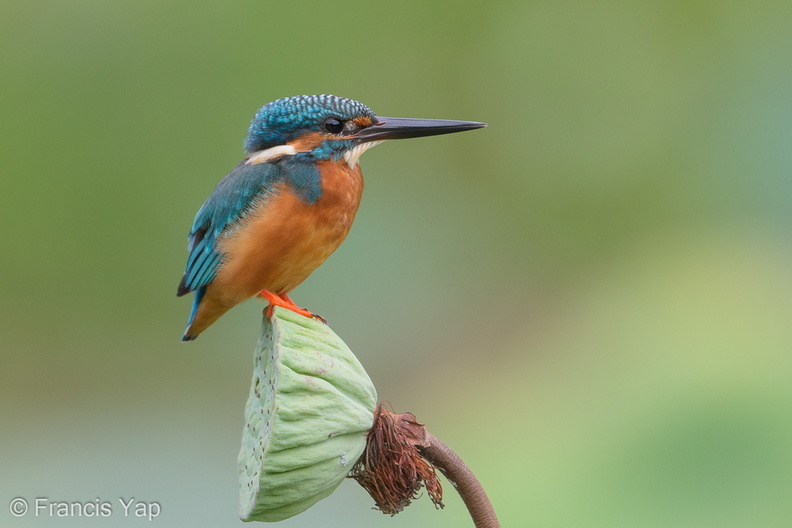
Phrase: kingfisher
pixel 288 204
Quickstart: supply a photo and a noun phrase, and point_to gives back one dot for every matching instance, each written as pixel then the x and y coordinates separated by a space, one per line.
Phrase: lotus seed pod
pixel 310 406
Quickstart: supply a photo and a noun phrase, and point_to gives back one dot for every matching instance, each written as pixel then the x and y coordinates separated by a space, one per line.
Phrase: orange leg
pixel 286 302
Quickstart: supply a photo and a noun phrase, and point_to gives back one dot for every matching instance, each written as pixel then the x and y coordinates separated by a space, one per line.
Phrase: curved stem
pixel 463 479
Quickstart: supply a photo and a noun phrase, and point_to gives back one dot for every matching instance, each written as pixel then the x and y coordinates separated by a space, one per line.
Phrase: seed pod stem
pixel 463 480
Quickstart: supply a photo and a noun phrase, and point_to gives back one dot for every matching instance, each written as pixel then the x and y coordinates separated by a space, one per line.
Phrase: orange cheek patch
pixel 308 142
pixel 363 121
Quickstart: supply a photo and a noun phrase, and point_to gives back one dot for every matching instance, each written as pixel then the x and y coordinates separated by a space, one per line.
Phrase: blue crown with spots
pixel 280 121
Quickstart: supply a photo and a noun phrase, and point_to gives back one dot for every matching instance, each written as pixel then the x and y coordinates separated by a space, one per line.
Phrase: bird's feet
pixel 286 302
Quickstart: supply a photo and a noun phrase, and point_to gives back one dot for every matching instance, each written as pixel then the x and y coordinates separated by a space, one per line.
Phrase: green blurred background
pixel 590 300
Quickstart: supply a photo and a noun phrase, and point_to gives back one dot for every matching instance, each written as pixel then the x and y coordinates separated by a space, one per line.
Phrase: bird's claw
pixel 318 317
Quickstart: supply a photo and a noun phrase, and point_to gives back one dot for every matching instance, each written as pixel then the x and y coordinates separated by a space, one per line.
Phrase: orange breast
pixel 284 239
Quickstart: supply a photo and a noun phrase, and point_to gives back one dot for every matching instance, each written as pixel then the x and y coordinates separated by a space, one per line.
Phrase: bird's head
pixel 323 127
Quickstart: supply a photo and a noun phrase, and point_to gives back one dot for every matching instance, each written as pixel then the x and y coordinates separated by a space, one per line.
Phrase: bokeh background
pixel 590 300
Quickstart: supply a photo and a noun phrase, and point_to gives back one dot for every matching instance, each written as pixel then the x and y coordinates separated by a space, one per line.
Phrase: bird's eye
pixel 333 125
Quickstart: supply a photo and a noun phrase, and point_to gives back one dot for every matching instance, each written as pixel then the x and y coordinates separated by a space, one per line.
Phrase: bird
pixel 288 204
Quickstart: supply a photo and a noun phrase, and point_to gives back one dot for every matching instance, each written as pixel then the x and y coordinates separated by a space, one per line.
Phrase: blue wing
pixel 229 202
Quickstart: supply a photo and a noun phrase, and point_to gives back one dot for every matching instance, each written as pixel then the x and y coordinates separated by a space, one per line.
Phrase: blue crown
pixel 280 121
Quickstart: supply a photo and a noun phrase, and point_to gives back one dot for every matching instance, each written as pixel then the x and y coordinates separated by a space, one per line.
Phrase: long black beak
pixel 403 128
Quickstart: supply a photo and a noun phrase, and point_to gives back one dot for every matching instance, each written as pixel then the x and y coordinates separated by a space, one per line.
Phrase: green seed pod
pixel 310 406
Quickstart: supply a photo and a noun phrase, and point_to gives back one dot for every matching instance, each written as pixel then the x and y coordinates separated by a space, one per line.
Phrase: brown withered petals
pixel 391 468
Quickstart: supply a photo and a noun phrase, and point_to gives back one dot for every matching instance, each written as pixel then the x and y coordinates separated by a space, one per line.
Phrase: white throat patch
pixel 270 154
pixel 351 157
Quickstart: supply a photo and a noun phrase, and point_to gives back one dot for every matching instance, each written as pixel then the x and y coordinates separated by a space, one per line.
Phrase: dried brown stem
pixel 463 479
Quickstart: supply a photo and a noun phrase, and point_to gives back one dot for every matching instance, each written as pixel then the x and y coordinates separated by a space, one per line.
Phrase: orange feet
pixel 286 302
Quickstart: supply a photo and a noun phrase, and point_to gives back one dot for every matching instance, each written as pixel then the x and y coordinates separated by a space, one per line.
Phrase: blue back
pixel 233 197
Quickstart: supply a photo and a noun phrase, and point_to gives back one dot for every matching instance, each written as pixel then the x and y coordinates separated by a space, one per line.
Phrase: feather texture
pixel 233 197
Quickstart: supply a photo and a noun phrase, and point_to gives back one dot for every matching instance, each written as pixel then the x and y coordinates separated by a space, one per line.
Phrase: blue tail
pixel 199 293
